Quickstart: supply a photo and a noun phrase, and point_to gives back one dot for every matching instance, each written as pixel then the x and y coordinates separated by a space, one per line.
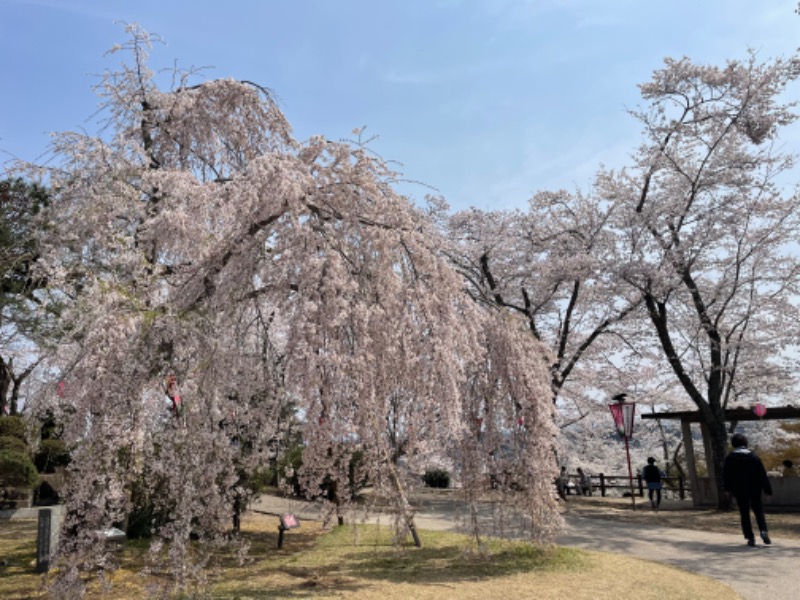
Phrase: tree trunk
pixel 677 463
pixel 718 438
pixel 13 404
pixel 406 514
pixel 711 408
pixel 5 383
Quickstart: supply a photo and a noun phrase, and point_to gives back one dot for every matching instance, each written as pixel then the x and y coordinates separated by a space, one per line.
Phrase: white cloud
pixel 100 11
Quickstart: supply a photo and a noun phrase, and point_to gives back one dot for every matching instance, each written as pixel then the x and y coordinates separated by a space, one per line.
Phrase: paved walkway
pixel 760 573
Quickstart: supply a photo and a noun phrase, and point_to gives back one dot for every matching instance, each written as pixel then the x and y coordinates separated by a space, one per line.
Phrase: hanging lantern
pixel 170 383
pixel 623 413
pixel 176 405
pixel 760 410
pixel 171 390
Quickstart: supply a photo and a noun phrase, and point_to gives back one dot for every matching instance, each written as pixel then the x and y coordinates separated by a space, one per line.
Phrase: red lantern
pixel 760 410
pixel 171 390
pixel 623 413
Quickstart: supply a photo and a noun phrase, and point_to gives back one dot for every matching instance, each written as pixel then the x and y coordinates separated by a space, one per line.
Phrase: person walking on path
pixel 562 484
pixel 584 483
pixel 745 477
pixel 652 476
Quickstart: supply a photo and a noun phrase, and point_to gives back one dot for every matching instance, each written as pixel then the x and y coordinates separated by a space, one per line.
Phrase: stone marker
pixel 43 539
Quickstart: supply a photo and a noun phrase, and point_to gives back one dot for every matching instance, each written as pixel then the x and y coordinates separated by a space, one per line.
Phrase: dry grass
pixel 363 563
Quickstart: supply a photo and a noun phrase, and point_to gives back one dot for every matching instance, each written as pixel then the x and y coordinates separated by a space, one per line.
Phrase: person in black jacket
pixel 746 479
pixel 652 476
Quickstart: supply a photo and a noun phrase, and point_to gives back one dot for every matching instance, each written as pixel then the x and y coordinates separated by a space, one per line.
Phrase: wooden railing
pixel 605 483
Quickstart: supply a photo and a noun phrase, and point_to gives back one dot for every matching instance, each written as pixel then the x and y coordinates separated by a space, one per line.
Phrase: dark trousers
pixel 657 493
pixel 746 504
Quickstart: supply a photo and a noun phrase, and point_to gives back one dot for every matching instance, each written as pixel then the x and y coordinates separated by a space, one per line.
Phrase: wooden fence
pixel 605 483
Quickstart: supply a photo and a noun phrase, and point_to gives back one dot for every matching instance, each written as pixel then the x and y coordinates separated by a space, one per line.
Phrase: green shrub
pixel 261 480
pixel 146 515
pixel 436 478
pixel 17 470
pixel 357 477
pixel 13 426
pixel 50 427
pixel 8 442
pixel 52 453
pixel 286 469
pixel 140 521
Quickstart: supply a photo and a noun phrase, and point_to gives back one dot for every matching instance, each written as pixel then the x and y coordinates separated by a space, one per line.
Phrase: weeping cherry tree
pixel 216 271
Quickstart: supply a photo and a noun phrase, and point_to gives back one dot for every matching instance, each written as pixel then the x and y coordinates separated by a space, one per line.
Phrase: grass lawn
pixel 362 562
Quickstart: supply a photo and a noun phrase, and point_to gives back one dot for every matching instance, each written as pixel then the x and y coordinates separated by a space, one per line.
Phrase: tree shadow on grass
pixel 18 577
pixel 451 564
pixel 344 561
pixel 17 546
pixel 312 562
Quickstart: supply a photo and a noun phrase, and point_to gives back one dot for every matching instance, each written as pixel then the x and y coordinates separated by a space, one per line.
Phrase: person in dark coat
pixel 652 476
pixel 745 478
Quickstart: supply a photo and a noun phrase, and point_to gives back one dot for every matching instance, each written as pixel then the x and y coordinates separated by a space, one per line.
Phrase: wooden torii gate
pixel 786 492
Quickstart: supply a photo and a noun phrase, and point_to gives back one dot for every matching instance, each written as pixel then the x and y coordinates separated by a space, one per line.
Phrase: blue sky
pixel 487 101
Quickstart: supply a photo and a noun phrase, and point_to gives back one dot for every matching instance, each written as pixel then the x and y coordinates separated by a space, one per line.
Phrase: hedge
pixel 13 426
pixel 8 442
pixel 17 470
pixel 436 478
pixel 52 453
